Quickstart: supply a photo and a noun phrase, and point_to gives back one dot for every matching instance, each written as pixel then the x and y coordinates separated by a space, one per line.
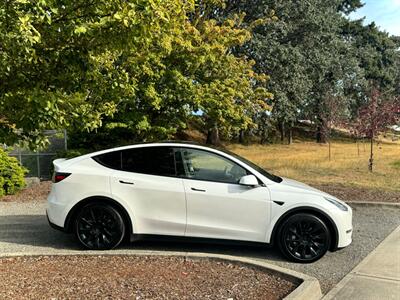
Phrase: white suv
pixel 187 190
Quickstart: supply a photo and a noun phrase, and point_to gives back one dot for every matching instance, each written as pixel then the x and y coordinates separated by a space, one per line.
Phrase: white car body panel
pixel 299 195
pixel 168 206
pixel 158 202
pixel 229 211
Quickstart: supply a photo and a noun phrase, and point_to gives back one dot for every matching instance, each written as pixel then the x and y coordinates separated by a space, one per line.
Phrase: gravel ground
pixel 135 277
pixel 24 229
pixel 359 194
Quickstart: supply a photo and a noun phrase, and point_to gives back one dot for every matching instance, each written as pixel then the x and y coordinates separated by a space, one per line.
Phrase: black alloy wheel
pixel 304 238
pixel 99 227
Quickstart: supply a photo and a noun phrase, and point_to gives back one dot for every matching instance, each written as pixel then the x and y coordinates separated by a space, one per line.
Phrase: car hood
pixel 302 186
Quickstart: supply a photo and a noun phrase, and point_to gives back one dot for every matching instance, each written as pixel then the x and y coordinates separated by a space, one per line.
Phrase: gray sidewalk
pixel 376 277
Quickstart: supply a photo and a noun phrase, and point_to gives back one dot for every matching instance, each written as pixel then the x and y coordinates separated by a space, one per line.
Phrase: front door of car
pixel 217 205
pixel 147 182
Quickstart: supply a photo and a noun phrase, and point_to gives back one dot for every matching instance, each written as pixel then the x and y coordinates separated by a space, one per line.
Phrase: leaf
pixel 80 30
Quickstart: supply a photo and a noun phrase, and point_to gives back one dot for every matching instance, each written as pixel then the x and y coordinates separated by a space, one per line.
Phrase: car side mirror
pixel 249 180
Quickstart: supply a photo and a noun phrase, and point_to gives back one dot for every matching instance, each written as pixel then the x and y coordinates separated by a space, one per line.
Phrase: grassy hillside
pixel 308 162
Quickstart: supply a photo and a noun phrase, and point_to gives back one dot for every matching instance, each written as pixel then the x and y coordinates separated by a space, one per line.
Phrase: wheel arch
pixel 68 224
pixel 311 210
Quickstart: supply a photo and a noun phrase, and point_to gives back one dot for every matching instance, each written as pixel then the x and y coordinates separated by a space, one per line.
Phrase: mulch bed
pixel 135 277
pixel 37 192
pixel 347 193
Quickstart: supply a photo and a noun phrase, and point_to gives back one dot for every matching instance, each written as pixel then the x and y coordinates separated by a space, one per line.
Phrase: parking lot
pixel 24 230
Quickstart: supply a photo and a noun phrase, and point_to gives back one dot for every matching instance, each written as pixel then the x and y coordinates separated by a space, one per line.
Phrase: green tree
pixel 302 51
pixel 378 58
pixel 137 67
pixel 314 53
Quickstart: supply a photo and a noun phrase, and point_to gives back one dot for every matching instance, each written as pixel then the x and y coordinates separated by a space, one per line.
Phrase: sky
pixel 385 14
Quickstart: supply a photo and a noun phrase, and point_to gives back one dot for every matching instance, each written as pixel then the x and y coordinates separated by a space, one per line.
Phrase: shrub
pixel 11 174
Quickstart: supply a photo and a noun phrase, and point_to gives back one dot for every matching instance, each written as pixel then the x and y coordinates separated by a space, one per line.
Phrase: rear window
pixel 146 160
pixel 149 160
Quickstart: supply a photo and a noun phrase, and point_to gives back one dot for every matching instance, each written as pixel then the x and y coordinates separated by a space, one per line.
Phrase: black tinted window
pixel 149 160
pixel 110 160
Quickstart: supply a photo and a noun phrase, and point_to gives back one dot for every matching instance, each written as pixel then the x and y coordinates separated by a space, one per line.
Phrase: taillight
pixel 57 177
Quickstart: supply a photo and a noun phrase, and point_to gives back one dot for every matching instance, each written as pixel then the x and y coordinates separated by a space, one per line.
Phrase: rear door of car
pixel 148 182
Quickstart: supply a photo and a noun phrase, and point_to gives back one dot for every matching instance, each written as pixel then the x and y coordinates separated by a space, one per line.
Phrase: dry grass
pixel 308 162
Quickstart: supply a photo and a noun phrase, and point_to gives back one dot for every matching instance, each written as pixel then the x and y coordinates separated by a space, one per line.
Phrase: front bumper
pixel 344 227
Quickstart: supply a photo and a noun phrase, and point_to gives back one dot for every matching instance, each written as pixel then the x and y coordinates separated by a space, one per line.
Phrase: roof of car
pixel 148 144
pixel 177 142
pixel 161 143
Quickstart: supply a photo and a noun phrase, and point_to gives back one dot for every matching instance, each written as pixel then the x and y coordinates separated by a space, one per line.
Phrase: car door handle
pixel 197 190
pixel 125 182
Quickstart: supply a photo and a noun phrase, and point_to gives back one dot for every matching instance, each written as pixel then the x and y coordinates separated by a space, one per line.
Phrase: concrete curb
pixel 309 288
pixel 356 271
pixel 371 203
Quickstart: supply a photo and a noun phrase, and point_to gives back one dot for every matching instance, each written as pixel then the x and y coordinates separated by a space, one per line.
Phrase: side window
pixel 110 160
pixel 204 165
pixel 149 160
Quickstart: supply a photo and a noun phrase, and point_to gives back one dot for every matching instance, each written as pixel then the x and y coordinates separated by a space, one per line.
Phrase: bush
pixel 11 174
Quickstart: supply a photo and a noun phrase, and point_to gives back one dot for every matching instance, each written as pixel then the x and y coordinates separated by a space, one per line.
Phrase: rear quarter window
pixel 112 160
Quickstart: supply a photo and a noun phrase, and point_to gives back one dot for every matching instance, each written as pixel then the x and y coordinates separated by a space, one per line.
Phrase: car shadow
pixel 18 232
pixel 34 231
pixel 262 252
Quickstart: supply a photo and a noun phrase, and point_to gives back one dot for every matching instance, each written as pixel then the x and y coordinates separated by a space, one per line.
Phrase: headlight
pixel 337 203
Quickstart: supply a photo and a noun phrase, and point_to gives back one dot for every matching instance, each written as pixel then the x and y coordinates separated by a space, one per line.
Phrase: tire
pixel 99 227
pixel 304 238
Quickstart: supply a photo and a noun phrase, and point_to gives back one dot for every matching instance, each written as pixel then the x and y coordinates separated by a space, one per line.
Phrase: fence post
pixel 20 156
pixel 38 163
pixel 65 140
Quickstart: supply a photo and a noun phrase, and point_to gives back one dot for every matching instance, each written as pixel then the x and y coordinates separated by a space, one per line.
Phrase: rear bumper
pixel 54 225
pixel 56 210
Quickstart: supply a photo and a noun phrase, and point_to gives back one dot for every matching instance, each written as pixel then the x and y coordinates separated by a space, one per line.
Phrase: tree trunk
pixel 290 135
pixel 241 136
pixel 371 157
pixel 209 136
pixel 282 130
pixel 264 136
pixel 322 132
pixel 213 136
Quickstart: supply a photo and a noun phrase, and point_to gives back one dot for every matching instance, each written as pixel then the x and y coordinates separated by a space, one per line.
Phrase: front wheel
pixel 304 238
pixel 99 227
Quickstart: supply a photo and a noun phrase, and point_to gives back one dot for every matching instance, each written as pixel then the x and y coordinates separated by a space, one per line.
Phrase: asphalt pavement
pixel 24 231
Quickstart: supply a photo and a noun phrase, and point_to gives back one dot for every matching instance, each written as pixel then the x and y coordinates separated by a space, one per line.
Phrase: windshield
pixel 270 176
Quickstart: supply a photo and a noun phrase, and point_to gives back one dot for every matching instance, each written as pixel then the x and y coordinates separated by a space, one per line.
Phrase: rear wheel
pixel 304 238
pixel 99 227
